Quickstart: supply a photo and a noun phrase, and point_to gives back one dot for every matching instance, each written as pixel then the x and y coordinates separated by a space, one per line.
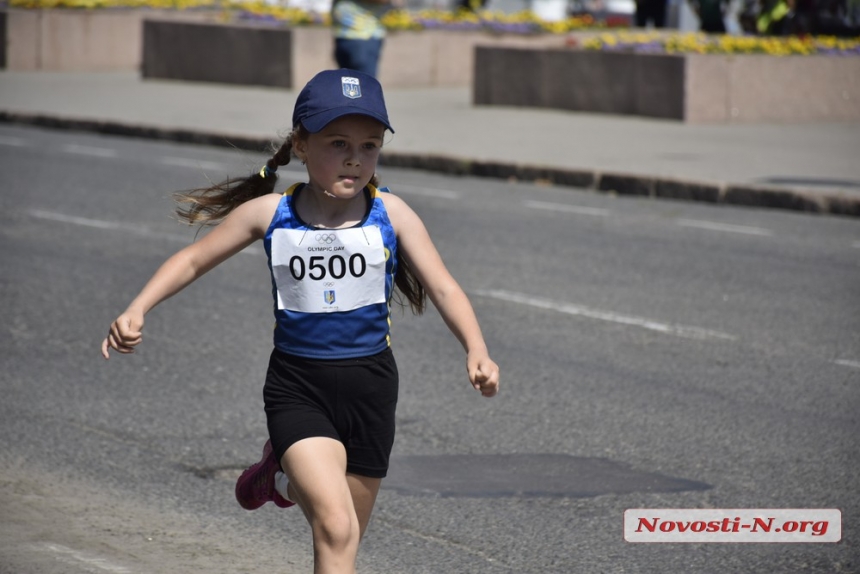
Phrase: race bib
pixel 328 270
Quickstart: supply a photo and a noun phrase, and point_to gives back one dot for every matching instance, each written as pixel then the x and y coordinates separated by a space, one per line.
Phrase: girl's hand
pixel 124 334
pixel 483 374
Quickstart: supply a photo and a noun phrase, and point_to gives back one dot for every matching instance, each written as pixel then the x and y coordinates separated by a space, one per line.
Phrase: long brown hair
pixel 210 205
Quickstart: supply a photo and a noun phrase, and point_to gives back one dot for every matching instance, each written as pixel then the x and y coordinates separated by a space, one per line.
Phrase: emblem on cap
pixel 351 87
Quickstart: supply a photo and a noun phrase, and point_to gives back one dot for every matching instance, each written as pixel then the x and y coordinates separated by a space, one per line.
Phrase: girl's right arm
pixel 246 224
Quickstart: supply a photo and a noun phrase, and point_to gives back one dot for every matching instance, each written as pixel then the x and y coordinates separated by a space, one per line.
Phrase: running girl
pixel 337 248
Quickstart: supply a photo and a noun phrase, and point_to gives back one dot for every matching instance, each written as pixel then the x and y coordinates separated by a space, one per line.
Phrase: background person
pixel 359 33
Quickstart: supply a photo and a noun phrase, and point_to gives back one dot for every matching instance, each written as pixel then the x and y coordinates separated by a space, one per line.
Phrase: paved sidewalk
pixel 812 167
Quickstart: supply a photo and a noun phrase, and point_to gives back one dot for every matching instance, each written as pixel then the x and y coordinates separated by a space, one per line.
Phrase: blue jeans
pixel 361 55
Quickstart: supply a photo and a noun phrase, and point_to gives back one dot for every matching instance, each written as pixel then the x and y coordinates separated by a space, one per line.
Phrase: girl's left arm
pixel 448 297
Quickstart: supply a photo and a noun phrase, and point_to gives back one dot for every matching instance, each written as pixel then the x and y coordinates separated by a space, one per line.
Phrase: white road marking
pixel 847 363
pixel 426 191
pixel 91 151
pixel 578 209
pixel 71 556
pixel 131 228
pixel 727 227
pixel 570 309
pixel 101 224
pixel 13 142
pixel 193 163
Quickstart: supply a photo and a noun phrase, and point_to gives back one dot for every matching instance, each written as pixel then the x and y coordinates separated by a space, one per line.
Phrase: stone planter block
pixel 693 88
pixel 247 55
pixel 77 40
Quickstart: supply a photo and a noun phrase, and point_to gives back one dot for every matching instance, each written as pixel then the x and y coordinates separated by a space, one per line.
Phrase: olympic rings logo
pixel 327 238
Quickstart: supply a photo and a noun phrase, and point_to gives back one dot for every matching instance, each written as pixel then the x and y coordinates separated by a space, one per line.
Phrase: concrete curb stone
pixel 621 184
pixel 776 198
pixel 690 191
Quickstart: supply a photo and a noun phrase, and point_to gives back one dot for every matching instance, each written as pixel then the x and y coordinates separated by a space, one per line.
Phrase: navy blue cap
pixel 335 93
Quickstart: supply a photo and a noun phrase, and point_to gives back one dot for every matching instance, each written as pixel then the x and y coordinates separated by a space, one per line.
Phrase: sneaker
pixel 256 486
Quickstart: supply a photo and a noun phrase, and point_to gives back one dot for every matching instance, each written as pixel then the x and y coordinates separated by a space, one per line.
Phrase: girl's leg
pixel 364 490
pixel 316 468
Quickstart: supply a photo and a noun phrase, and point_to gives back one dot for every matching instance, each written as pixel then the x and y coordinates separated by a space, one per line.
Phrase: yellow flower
pixel 697 43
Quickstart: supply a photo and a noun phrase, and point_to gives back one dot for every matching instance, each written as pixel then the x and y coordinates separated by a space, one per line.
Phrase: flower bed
pixel 696 43
pixel 523 22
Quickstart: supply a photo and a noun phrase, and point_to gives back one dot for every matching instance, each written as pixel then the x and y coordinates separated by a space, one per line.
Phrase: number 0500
pixel 337 267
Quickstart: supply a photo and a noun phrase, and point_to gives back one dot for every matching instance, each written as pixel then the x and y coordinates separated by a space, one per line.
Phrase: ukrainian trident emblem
pixel 351 87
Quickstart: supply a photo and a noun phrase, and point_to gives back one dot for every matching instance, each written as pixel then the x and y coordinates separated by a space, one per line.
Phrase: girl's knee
pixel 337 529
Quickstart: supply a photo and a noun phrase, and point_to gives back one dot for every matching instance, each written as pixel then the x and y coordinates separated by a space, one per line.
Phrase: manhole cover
pixel 525 475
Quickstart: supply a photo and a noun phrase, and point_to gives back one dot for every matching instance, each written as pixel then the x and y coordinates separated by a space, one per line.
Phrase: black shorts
pixel 350 400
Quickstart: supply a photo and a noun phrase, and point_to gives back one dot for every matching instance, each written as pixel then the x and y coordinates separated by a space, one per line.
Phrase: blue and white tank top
pixel 332 287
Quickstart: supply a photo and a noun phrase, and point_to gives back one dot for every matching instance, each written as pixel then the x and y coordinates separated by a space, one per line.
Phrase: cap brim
pixel 318 121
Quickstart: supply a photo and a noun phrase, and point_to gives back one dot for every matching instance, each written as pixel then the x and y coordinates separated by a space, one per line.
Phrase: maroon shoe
pixel 256 486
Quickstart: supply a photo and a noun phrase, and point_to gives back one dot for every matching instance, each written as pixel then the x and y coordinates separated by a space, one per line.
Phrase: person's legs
pixel 343 53
pixel 363 490
pixel 642 14
pixel 658 12
pixel 316 468
pixel 317 412
pixel 361 55
pixel 374 52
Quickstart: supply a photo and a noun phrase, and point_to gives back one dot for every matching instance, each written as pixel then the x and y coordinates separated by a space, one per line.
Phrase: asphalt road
pixel 654 354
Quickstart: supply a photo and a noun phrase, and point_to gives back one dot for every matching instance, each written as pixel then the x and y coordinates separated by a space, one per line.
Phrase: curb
pixel 612 183
pixel 637 185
